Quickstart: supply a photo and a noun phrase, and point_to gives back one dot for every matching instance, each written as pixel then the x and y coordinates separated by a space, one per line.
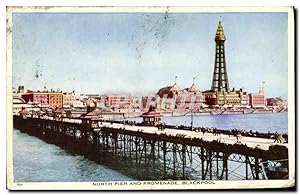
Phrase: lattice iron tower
pixel 220 78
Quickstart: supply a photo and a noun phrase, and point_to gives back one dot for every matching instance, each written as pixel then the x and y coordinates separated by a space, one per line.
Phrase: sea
pixel 37 161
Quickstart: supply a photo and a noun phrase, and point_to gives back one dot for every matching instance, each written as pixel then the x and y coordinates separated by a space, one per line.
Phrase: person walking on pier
pixel 279 138
pixel 238 138
pixel 219 139
pixel 203 131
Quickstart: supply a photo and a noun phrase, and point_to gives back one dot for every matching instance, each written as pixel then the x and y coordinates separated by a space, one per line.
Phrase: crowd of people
pixel 237 133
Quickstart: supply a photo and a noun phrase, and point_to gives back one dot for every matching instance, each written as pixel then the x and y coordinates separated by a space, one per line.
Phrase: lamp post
pixel 192 108
pixel 191 119
pixel 263 92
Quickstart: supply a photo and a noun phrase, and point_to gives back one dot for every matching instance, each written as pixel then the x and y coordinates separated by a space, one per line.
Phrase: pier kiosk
pixel 151 118
pixel 90 122
pixel 93 116
pixel 91 119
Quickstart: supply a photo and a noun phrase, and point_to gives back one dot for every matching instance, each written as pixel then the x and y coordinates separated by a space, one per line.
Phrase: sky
pixel 139 53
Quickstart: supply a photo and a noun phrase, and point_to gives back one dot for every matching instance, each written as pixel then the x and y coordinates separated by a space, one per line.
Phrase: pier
pixel 149 152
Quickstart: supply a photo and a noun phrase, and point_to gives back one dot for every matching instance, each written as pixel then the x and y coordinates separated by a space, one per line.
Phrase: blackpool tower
pixel 220 78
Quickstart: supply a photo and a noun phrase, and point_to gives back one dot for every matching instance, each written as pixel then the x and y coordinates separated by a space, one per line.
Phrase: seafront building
pixel 173 97
pixel 277 102
pixel 52 99
pixel 118 101
pixel 68 99
pixel 192 98
pixel 55 99
pixel 244 98
pixel 36 97
pixel 234 98
pixel 257 100
pixel 228 99
pixel 168 96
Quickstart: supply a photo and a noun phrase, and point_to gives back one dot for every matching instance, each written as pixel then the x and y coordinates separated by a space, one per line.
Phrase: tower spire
pixel 220 36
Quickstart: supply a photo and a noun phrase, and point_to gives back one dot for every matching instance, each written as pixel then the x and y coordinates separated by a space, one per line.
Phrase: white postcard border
pixel 116 185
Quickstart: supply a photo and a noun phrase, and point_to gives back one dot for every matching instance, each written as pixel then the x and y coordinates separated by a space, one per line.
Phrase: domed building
pixel 170 91
pixel 91 106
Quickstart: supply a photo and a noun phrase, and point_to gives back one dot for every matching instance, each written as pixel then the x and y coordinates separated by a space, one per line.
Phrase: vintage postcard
pixel 150 98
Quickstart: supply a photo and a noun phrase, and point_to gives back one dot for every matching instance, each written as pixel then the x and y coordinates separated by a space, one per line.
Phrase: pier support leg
pixel 210 165
pixel 124 144
pixel 225 164
pixel 202 164
pixel 246 162
pixel 183 161
pixel 256 168
pixel 158 146
pixel 217 153
pixel 106 142
pixel 130 146
pixel 174 160
pixel 116 144
pixel 136 150
pixel 94 134
pixel 164 157
pixel 74 133
pixel 191 155
pixel 145 151
pixel 153 151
